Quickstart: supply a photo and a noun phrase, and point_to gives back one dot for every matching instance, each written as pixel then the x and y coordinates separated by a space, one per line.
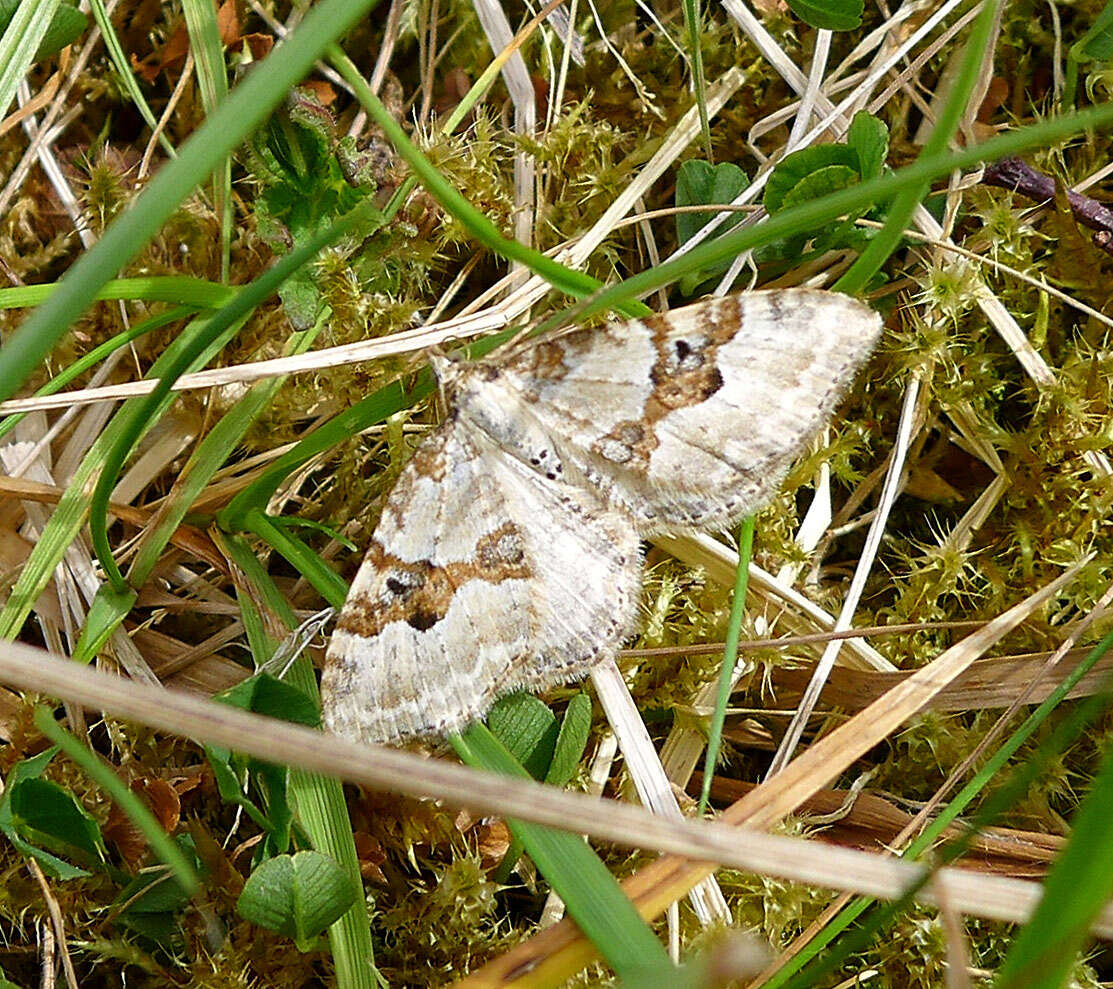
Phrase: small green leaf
pixel 66 26
pixel 1096 45
pixel 227 770
pixel 108 610
pixel 53 866
pixel 296 895
pixel 574 730
pixel 44 807
pixel 156 891
pixel 528 729
pixel 821 182
pixel 829 15
pixel 700 182
pixel 265 694
pixel 150 904
pixel 869 137
pixel 798 166
pixel 29 769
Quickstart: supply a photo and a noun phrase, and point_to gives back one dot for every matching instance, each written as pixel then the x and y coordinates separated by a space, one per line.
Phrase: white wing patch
pixel 481 578
pixel 507 556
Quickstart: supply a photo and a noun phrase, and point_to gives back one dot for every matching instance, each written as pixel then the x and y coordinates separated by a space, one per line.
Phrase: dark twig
pixel 1019 176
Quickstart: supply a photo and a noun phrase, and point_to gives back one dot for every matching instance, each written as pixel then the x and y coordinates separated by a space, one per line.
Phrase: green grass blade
pixel 567 280
pixel 212 77
pixel 109 608
pixel 592 895
pixel 693 20
pixel 177 289
pixel 124 74
pixel 18 44
pixel 244 110
pixel 730 658
pixel 1076 892
pixel 946 125
pixel 329 584
pixel 319 800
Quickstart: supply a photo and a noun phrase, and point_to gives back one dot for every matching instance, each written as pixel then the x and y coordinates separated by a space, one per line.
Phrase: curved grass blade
pixel 593 897
pixel 244 110
pixel 319 799
pixel 946 125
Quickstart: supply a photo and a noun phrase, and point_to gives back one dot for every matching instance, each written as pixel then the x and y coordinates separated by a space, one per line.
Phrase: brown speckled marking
pixel 429 460
pixel 545 361
pixel 421 593
pixel 685 373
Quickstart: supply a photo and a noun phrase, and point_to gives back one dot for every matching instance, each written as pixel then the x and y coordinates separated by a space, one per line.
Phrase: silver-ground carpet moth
pixel 508 553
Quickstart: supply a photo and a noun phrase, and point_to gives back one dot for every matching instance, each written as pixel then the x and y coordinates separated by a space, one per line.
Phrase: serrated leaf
pixel 528 729
pixel 569 750
pixel 698 183
pixel 297 895
pixel 796 167
pixel 869 137
pixel 43 810
pixel 829 15
pixel 821 182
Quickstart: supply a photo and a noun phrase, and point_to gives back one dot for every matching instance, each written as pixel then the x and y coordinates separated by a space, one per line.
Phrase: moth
pixel 508 556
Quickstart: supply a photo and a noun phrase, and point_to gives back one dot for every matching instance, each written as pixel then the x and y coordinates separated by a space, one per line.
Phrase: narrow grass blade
pixel 178 289
pixel 124 73
pixel 208 52
pixel 730 658
pixel 244 110
pixel 320 800
pixel 593 897
pixel 1079 886
pixel 692 23
pixel 128 802
pixel 18 44
pixel 567 280
pixel 904 204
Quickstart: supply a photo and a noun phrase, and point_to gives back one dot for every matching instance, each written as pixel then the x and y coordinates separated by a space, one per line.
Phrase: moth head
pixel 447 371
pixel 456 377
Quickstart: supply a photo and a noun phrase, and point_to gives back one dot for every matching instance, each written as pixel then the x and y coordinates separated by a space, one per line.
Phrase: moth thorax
pixel 488 399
